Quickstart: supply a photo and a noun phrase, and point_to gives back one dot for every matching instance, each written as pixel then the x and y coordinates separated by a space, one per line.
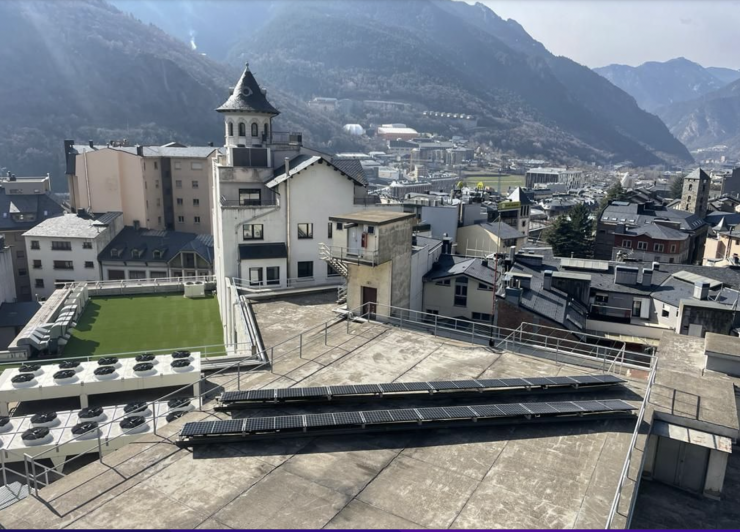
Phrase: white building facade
pixel 65 249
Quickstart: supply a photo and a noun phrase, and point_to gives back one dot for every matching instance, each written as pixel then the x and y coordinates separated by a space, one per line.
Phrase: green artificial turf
pixel 122 324
pixel 491 180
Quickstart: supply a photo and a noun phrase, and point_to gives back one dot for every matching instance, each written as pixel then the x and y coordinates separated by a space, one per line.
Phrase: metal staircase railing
pixel 326 255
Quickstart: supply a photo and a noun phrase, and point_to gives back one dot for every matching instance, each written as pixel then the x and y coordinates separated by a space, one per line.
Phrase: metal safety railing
pixel 137 283
pixel 262 286
pixel 624 476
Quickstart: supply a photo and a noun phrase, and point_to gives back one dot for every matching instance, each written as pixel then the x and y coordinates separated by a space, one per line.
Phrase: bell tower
pixel 247 114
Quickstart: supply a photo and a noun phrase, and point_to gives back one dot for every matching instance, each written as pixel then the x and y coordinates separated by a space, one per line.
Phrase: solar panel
pixel 260 424
pixel 286 393
pixel 566 407
pixel 348 418
pixel 406 414
pixel 540 408
pixel 377 416
pixel 592 406
pixel 261 395
pixel 367 388
pixel 196 428
pixel 539 381
pixel 608 379
pixel 443 385
pixel 319 420
pixel 433 413
pixel 488 411
pixel 468 384
pixel 563 381
pixel 513 410
pixel 617 404
pixel 315 391
pixel 491 383
pixel 417 386
pixel 227 426
pixel 459 411
pixel 588 379
pixel 393 387
pixel 234 396
pixel 511 383
pixel 342 390
pixel 288 422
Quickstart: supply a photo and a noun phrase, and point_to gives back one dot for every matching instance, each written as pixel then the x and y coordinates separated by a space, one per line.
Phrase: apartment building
pixel 273 196
pixel 460 287
pixel 155 187
pixel 543 176
pixel 65 249
pixel 653 242
pixel 24 202
pixel 7 284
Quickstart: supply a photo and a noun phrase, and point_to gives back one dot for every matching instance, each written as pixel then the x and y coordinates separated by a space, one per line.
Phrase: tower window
pixel 265 131
pixel 231 129
pixel 691 187
pixel 255 129
pixel 242 129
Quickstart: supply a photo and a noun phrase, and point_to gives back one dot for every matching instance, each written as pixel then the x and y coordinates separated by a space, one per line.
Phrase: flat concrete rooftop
pixel 377 217
pixel 521 476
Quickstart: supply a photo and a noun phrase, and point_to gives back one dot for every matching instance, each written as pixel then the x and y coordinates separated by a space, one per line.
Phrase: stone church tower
pixel 695 196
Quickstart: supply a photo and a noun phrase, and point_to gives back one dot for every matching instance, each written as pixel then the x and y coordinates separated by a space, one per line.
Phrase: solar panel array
pixel 403 415
pixel 315 392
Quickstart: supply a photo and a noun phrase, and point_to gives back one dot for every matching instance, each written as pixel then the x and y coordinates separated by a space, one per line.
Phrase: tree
pixel 677 187
pixel 572 234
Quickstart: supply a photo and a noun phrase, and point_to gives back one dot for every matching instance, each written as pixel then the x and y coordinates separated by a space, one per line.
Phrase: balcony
pixel 367 200
pixel 290 138
pixel 267 200
pixel 350 255
pixel 606 313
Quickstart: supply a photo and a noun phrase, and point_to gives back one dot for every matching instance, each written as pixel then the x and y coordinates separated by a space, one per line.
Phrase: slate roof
pixel 43 206
pixel 505 232
pixel 673 290
pixel 520 195
pixel 454 265
pixel 267 250
pixel 637 215
pixel 72 226
pixel 170 242
pixel 698 174
pixel 660 232
pixel 174 152
pixel 248 96
pixel 351 168
pixel 17 314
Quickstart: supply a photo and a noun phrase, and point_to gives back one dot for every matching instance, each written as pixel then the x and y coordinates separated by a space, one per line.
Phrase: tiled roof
pixel 68 226
pixel 248 96
pixel 169 243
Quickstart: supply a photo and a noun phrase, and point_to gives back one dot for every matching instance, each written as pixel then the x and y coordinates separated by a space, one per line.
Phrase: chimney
pixel 139 150
pixel 287 166
pixel 626 275
pixel 484 263
pixel 656 266
pixel 512 254
pixel 513 295
pixel 91 143
pixel 619 229
pixel 547 281
pixel 701 290
pixel 647 278
pixel 210 144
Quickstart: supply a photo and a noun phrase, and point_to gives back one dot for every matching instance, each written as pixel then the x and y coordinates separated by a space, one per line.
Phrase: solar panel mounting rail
pixel 255 428
pixel 237 400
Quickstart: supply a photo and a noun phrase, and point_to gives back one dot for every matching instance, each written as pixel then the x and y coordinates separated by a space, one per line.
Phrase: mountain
pixel 455 57
pixel 656 84
pixel 711 120
pixel 84 70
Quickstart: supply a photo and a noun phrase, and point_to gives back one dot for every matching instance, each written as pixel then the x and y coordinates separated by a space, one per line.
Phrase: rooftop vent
pixel 92 414
pixel 181 404
pixel 70 364
pixel 85 430
pixel 181 354
pixel 181 365
pixel 138 408
pixel 31 368
pixel 701 290
pixel 45 419
pixel 23 380
pixel 625 275
pixel 145 357
pixel 172 416
pixel 108 361
pixel 36 436
pixel 65 376
pixel 105 372
pixel 5 424
pixel 134 424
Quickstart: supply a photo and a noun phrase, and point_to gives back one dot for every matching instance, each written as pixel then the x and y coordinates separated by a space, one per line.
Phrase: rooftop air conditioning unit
pixel 181 366
pixel 33 369
pixel 71 364
pixel 182 404
pixel 45 419
pixel 5 425
pixel 37 436
pixel 147 357
pixel 195 289
pixel 96 414
pixel 144 369
pixel 105 373
pixel 24 380
pixel 134 425
pixel 65 376
pixel 86 430
pixel 137 409
pixel 109 361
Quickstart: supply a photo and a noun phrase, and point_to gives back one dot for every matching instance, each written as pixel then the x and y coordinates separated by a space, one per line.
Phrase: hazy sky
pixel 599 32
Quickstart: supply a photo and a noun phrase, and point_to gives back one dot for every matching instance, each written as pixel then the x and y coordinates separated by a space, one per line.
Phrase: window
pixel 61 246
pixel 87 245
pixel 178 183
pixel 255 276
pixel 265 131
pixel 137 274
pixel 673 248
pixel 253 232
pixel 601 298
pixel 159 202
pixel 20 254
pixel 178 166
pixel 195 183
pixel 197 219
pixel 658 247
pixel 305 269
pixel 159 220
pixel 242 129
pixel 231 129
pixel 39 283
pixel 116 275
pixel 36 264
pixel 35 244
pixel 156 183
pixel 196 165
pixel 339 226
pixel 155 274
pixel 305 230
pixel 181 219
pixel 665 312
pixel 481 316
pixel 484 286
pixel 642 245
pixel 524 223
pixel 255 130
pixel 250 196
pixel 691 187
pixel 432 312
pixel 461 292
pixel 273 275
pixel 22 272
pixel 89 264
pixel 328 231
pixel 626 243
pixel 156 166
pixel 370 230
pixel 443 282
pixel 670 260
pixel 63 265
pixel 636 307
pixel 179 201
pixel 196 202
